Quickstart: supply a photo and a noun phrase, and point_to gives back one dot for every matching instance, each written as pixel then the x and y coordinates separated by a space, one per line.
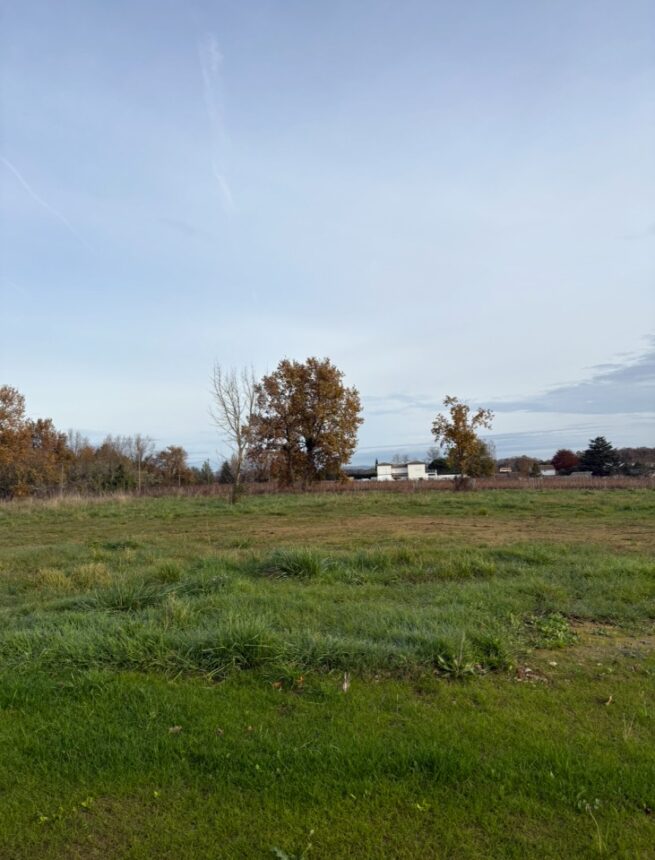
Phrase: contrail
pixel 210 67
pixel 44 203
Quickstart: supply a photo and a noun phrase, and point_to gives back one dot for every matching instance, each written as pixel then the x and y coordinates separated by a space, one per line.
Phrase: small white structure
pixel 547 471
pixel 412 471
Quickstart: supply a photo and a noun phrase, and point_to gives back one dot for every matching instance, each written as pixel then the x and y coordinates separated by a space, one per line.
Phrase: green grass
pixel 172 672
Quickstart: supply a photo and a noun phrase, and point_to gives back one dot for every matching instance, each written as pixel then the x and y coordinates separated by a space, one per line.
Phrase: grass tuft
pixel 298 564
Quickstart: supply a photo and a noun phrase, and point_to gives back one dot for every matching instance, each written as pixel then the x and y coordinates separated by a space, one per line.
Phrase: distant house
pixel 413 471
pixel 546 471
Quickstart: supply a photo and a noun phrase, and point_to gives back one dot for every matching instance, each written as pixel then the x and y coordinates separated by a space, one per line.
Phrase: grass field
pixel 172 676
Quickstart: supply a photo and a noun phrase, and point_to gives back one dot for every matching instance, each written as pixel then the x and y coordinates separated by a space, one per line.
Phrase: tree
pixel 13 438
pixel 225 473
pixel 233 401
pixel 535 470
pixel 600 457
pixel 12 410
pixel 32 452
pixel 637 461
pixel 482 464
pixel 456 433
pixel 206 473
pixel 439 465
pixel 172 462
pixel 305 421
pixel 565 461
pixel 524 465
pixel 141 449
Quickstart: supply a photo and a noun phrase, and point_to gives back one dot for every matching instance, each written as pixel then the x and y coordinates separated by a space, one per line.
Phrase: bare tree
pixel 142 449
pixel 76 441
pixel 233 403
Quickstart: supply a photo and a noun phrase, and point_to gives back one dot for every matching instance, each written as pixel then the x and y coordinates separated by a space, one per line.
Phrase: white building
pixel 413 471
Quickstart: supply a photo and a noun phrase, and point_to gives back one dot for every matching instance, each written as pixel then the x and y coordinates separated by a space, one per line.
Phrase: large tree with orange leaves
pixel 305 421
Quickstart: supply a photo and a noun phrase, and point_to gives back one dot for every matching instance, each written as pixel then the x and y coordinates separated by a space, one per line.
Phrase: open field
pixel 172 676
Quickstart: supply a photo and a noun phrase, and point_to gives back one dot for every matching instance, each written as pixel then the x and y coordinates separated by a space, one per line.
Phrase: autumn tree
pixel 457 434
pixel 172 462
pixel 13 439
pixel 233 402
pixel 482 463
pixel 565 461
pixel 12 411
pixel 525 466
pixel 305 421
pixel 32 452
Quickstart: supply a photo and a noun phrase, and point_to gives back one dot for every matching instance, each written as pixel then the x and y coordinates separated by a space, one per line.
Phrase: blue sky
pixel 444 198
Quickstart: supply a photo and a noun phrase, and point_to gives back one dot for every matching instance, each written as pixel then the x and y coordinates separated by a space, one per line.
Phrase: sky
pixel 442 197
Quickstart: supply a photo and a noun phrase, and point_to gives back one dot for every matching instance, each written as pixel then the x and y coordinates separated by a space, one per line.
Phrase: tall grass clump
pixel 295 564
pixel 237 643
pixel 125 595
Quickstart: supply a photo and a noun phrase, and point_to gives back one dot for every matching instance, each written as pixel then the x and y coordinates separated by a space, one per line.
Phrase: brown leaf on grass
pixel 175 730
pixel 525 673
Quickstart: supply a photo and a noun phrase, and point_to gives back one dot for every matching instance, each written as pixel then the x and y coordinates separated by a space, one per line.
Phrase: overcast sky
pixel 442 197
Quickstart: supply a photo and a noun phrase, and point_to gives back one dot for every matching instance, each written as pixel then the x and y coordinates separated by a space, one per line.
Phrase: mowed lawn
pixel 375 675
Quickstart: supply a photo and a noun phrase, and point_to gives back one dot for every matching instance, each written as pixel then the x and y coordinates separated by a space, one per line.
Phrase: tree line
pixel 600 458
pixel 294 426
pixel 36 458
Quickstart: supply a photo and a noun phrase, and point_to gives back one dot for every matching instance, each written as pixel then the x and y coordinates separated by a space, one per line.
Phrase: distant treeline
pixel 36 458
pixel 284 443
pixel 600 458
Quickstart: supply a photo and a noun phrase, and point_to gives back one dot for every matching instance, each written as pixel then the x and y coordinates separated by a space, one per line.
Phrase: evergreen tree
pixel 225 474
pixel 206 473
pixel 600 457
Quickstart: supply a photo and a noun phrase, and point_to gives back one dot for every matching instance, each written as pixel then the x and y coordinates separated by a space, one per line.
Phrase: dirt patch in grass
pixel 599 648
pixel 371 530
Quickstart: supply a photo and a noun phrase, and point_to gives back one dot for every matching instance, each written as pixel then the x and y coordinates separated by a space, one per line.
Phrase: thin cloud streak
pixel 38 199
pixel 211 60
